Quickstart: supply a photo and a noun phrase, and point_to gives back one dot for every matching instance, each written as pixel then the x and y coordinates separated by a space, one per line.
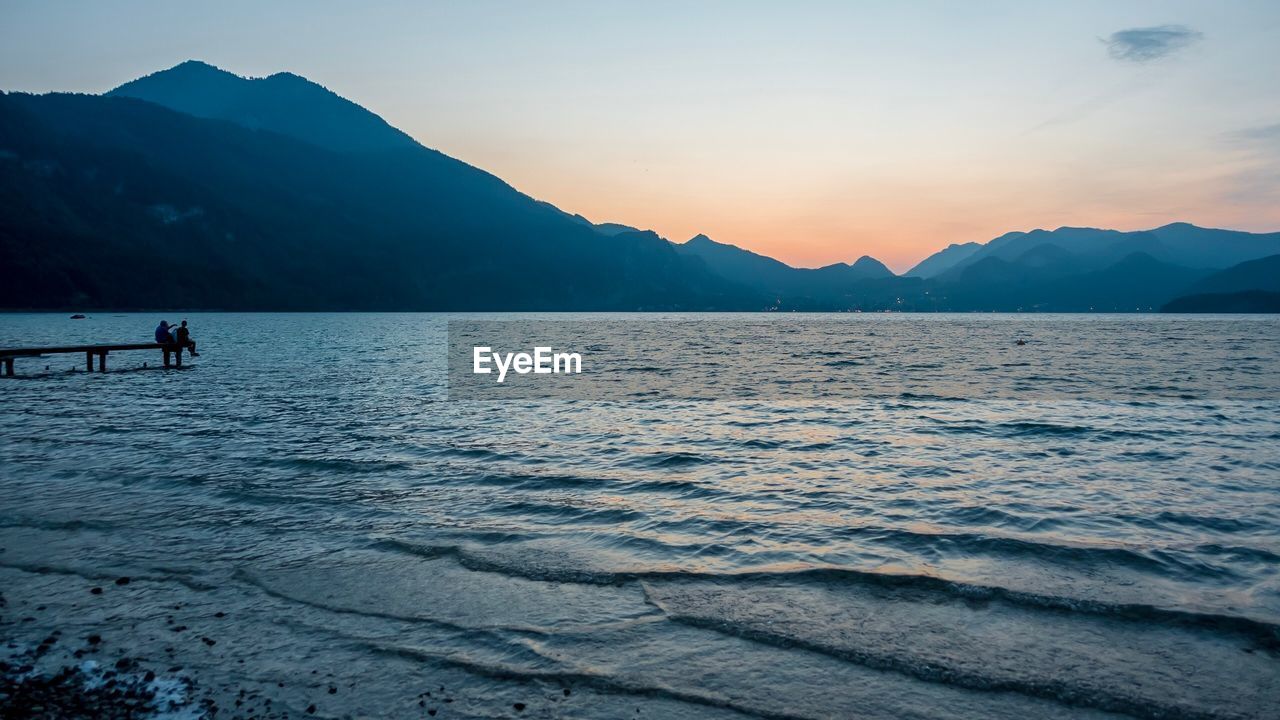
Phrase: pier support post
pixel 8 367
pixel 177 356
pixel 166 357
pixel 102 362
pixel 88 361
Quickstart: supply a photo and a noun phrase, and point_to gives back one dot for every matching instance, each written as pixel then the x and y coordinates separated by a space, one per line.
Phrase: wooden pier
pixel 7 355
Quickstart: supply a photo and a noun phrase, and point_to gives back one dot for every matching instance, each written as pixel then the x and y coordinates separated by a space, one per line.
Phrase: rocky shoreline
pixel 73 675
pixel 83 644
pixel 90 657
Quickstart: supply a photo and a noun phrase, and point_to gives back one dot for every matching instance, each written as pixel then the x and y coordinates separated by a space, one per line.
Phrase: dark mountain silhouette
pixel 1211 248
pixel 1086 269
pixel 865 267
pixel 1252 286
pixel 116 202
pixel 1048 279
pixel 832 286
pixel 1178 244
pixel 943 260
pixel 1044 279
pixel 283 103
pixel 1061 251
pixel 613 228
pixel 1249 301
pixel 193 187
pixel 1261 274
pixel 737 264
pixel 602 228
pixel 1137 283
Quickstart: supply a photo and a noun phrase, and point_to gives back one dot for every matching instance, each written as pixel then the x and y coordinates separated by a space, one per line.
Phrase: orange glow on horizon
pixel 898 234
pixel 810 211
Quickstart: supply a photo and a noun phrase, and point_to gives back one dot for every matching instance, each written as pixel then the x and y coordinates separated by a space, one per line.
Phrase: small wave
pixel 670 460
pixel 1021 429
pixel 335 465
pixel 1150 455
pixel 685 489
pixel 1263 634
pixel 569 513
pixel 926 471
pixel 540 482
pixel 1156 562
pixel 266 587
pixel 761 444
pixel 426 552
pixel 1220 524
pixel 470 453
pixel 552 482
pixel 995 517
pixel 815 447
pixel 1026 429
pixel 929 397
pixel 1239 552
pixel 595 680
pixel 72 525
pixel 652 369
pixel 1266 635
pixel 1046 687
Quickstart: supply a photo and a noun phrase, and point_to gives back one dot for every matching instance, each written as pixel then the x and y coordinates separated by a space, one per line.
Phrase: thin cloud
pixel 1142 45
pixel 1263 134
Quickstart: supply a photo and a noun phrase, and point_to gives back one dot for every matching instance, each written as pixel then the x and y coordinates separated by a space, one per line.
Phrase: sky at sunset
pixel 815 132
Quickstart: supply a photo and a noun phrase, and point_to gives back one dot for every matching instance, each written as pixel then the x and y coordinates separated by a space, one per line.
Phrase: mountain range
pixel 196 188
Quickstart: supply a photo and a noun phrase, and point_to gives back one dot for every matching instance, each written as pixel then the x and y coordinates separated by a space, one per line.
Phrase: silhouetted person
pixel 163 335
pixel 183 338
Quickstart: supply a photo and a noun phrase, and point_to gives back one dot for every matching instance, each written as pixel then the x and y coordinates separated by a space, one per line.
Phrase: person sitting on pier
pixel 163 336
pixel 183 338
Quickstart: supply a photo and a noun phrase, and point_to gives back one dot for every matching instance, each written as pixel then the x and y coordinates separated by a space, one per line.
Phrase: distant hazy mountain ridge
pixel 1179 244
pixel 1251 286
pixel 943 260
pixel 835 285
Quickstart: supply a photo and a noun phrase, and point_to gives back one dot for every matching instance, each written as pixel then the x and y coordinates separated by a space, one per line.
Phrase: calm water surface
pixel 974 555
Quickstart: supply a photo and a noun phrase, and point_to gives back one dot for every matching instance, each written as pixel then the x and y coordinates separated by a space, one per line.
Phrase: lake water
pixel 1009 542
